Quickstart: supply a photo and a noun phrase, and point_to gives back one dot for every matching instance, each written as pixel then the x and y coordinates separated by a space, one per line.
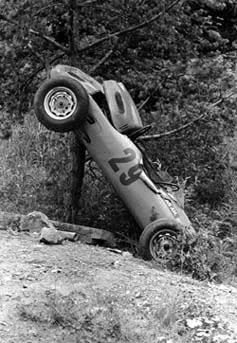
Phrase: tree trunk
pixel 77 175
pixel 77 149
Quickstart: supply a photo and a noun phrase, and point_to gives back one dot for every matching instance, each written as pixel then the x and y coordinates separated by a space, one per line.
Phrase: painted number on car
pixel 133 173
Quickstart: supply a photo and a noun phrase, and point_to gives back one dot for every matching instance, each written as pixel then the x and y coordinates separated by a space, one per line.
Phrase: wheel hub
pixel 60 103
pixel 163 245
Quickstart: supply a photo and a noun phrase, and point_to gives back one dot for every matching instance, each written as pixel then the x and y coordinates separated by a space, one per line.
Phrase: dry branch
pixel 171 132
pixel 86 3
pixel 185 126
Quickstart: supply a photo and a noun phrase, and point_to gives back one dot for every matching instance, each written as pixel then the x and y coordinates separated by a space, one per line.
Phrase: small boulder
pixel 34 222
pixel 50 235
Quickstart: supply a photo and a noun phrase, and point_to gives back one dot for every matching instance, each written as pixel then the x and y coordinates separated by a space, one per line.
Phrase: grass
pixel 114 317
pixel 34 170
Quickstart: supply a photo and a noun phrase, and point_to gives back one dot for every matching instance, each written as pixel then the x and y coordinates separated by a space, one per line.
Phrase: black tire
pixel 61 104
pixel 153 236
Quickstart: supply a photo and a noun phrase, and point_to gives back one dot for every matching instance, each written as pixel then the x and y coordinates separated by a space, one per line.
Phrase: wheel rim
pixel 60 103
pixel 163 245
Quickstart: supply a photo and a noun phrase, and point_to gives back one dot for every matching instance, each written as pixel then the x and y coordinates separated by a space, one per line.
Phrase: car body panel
pixel 123 112
pixel 89 83
pixel 121 162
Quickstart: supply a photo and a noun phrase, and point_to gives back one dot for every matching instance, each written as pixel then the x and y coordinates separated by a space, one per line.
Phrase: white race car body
pixel 69 101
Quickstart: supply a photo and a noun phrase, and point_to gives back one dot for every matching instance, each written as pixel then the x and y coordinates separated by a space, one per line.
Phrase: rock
pixel 9 220
pixel 50 235
pixel 70 236
pixel 34 222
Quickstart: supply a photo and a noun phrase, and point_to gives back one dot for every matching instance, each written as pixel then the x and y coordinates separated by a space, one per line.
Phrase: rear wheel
pixel 61 104
pixel 159 243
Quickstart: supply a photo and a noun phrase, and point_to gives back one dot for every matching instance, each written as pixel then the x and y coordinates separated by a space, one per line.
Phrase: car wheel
pixel 158 243
pixel 61 104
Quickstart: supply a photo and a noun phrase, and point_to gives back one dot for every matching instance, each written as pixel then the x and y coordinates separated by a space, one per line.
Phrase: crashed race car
pixel 72 100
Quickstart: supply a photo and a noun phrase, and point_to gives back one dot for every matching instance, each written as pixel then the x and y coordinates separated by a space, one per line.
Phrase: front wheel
pixel 159 242
pixel 61 104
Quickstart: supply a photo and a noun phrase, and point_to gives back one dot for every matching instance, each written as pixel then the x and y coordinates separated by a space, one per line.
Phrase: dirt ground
pixel 79 293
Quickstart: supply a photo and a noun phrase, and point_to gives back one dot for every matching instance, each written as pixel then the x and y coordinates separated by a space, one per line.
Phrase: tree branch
pixel 148 99
pixel 171 132
pixel 4 18
pixel 27 83
pixel 42 9
pixel 129 29
pixel 38 70
pixel 35 53
pixel 85 3
pixel 102 61
pixel 99 41
pixel 185 126
pixel 49 40
pixel 67 51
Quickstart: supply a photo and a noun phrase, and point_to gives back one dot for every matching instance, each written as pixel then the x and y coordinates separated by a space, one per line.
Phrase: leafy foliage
pixel 178 74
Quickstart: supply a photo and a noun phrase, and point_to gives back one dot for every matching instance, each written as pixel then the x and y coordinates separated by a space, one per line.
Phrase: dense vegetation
pixel 179 62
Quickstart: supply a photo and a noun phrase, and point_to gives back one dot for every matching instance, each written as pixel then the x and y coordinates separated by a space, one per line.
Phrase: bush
pixel 211 256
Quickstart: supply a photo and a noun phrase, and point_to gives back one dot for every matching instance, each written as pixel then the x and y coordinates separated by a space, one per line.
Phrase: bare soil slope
pixel 78 293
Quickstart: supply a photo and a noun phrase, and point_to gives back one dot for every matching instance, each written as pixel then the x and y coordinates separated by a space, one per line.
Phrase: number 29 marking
pixel 133 173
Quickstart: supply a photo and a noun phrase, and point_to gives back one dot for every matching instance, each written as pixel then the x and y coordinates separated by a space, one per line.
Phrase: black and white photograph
pixel 118 171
